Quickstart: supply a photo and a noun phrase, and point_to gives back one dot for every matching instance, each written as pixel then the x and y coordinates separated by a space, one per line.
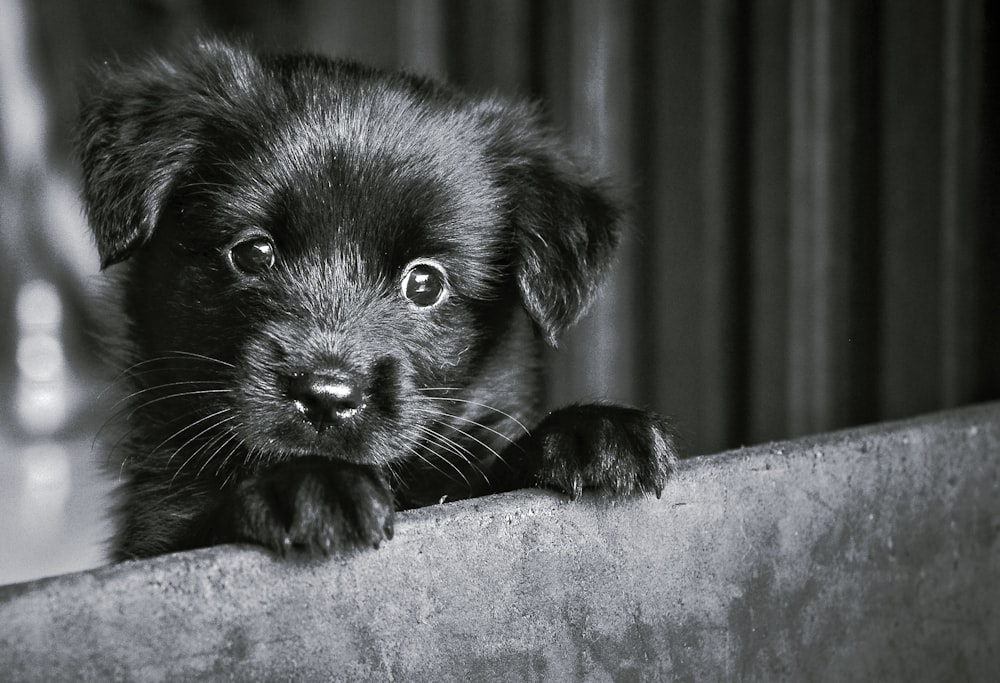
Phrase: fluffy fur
pixel 337 283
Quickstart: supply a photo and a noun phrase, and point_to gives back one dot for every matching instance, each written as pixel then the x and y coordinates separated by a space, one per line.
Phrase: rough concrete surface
pixel 868 554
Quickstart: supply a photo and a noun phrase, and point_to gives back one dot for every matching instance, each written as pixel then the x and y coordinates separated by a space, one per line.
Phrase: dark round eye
pixel 424 283
pixel 252 256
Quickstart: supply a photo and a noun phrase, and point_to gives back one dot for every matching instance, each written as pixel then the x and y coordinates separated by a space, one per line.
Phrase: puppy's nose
pixel 325 398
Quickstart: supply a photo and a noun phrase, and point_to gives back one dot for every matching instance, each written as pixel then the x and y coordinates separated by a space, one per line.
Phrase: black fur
pixel 337 283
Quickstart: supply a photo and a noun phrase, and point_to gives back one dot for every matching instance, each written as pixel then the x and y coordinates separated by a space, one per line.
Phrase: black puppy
pixel 337 285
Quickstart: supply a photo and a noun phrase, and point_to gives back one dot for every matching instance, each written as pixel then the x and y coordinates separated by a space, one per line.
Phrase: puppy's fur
pixel 337 283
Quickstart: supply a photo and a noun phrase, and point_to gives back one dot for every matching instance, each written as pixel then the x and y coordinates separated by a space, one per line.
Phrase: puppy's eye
pixel 252 256
pixel 424 283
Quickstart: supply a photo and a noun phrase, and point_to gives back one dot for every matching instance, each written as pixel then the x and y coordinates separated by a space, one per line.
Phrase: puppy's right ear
pixel 139 130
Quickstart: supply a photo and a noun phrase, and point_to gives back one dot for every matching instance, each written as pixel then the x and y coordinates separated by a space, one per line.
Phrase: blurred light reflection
pixel 42 386
pixel 45 488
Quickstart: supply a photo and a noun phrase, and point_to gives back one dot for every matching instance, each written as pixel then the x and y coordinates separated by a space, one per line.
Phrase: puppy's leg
pixel 311 505
pixel 620 450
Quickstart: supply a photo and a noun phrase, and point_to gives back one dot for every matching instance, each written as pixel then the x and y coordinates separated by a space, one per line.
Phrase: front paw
pixel 624 451
pixel 310 505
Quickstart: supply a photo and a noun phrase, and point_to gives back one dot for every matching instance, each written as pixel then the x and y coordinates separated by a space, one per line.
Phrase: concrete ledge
pixel 868 554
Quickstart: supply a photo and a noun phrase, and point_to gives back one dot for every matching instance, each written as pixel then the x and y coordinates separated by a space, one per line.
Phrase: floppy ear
pixel 567 224
pixel 140 128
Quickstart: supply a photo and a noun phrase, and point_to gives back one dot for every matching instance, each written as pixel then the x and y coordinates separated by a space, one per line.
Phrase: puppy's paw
pixel 310 506
pixel 623 451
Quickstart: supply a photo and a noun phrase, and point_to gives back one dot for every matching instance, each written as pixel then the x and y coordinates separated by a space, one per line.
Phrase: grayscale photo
pixel 504 340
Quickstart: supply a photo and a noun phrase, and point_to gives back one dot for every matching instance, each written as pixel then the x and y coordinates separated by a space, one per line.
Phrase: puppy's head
pixel 311 246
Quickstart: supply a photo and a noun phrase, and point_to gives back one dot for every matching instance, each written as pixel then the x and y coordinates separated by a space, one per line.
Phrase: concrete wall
pixel 870 554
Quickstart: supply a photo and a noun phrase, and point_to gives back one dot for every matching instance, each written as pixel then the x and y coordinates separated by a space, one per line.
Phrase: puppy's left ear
pixel 567 224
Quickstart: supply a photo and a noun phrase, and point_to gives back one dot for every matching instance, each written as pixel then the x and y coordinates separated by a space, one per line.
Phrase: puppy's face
pixel 318 251
pixel 341 258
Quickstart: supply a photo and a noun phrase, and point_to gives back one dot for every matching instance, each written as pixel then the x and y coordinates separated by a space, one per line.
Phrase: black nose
pixel 325 398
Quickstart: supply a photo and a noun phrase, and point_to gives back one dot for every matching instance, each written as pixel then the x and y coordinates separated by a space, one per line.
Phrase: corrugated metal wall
pixel 814 182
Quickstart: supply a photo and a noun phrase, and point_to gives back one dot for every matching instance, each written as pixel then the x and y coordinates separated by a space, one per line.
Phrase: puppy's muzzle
pixel 327 397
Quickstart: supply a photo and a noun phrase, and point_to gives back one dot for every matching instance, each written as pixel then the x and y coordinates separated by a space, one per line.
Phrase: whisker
pixel 458 449
pixel 146 390
pixel 395 467
pixel 172 355
pixel 201 356
pixel 413 451
pixel 236 447
pixel 193 438
pixel 161 370
pixel 453 446
pixel 439 413
pixel 481 405
pixel 113 419
pixel 134 427
pixel 179 394
pixel 455 467
pixel 232 472
pixel 480 441
pixel 218 450
pixel 187 427
pixel 208 444
pixel 118 442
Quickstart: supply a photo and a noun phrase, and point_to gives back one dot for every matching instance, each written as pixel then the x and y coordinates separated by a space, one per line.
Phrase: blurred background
pixel 814 189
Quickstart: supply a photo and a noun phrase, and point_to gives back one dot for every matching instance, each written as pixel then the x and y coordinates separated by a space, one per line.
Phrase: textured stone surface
pixel 869 554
